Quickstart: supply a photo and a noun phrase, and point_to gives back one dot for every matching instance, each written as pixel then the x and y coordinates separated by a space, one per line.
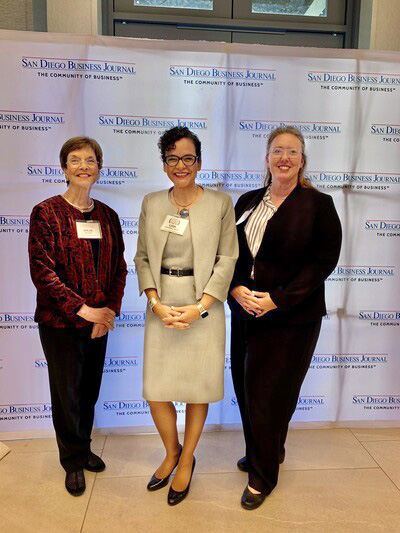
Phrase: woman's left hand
pixel 188 314
pixel 98 331
pixel 264 301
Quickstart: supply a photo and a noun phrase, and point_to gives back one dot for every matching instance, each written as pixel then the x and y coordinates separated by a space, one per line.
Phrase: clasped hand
pixel 176 317
pixel 255 303
pixel 102 317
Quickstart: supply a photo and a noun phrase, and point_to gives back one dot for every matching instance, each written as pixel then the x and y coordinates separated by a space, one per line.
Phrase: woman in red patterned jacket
pixel 77 265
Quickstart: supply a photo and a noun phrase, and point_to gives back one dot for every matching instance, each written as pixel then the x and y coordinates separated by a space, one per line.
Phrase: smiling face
pixel 182 176
pixel 82 168
pixel 285 159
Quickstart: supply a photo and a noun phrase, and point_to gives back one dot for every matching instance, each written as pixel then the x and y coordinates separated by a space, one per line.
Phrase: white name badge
pixel 88 229
pixel 175 224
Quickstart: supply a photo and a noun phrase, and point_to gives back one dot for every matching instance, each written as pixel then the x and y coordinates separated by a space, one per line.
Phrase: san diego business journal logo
pixel 28 411
pixel 260 128
pixel 122 408
pixel 304 402
pixel 348 361
pixel 230 179
pixel 353 180
pixel 383 227
pixel 362 273
pixel 377 402
pixel 148 124
pixel 109 175
pixel 17 120
pixel 16 320
pixel 380 317
pixel 14 224
pixel 216 76
pixel 70 68
pixel 120 364
pixel 354 81
pixel 129 225
pixel 388 133
pixel 130 319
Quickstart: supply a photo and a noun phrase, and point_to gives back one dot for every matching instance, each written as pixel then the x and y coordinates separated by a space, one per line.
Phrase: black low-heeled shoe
pixel 242 464
pixel 250 501
pixel 175 497
pixel 75 482
pixel 94 463
pixel 156 483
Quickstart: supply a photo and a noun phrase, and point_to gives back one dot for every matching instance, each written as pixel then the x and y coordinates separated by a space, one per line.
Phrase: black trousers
pixel 75 364
pixel 269 362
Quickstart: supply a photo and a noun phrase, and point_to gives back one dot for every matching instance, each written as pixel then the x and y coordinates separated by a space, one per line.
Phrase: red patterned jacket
pixel 62 266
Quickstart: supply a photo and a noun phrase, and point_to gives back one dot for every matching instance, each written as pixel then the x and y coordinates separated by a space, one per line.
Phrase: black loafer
pixel 242 463
pixel 75 482
pixel 94 463
pixel 251 501
pixel 175 497
pixel 156 483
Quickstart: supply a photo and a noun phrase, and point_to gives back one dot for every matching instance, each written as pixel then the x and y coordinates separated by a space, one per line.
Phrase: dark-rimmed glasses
pixel 173 160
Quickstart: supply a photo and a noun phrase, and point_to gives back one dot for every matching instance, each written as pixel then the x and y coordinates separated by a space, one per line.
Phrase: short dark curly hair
pixel 170 137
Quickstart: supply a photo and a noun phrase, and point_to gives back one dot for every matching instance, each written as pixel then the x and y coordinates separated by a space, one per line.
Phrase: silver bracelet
pixel 152 302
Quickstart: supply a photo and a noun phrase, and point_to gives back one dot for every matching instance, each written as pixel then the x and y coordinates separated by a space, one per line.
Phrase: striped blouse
pixel 257 222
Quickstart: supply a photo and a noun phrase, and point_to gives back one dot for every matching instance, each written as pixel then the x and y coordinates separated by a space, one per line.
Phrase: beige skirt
pixel 184 365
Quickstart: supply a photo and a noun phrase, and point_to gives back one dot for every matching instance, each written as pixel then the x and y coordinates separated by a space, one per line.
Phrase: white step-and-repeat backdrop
pixel 124 93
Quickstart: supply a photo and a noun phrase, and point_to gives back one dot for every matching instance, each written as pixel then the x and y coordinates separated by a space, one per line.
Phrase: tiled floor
pixel 333 481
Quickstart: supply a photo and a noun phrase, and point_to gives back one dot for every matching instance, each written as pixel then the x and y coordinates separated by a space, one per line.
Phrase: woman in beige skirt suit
pixel 187 249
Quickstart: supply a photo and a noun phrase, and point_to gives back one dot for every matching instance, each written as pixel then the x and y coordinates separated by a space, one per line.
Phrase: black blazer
pixel 299 250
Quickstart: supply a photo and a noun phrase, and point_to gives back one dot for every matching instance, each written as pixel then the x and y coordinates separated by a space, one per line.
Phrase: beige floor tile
pixel 365 435
pixel 218 451
pixel 33 497
pixel 333 501
pixel 324 448
pixel 4 450
pixel 132 455
pixel 48 445
pixel 140 455
pixel 387 455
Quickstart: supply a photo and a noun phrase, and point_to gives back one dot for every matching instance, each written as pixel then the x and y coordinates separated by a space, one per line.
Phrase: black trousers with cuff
pixel 75 365
pixel 269 362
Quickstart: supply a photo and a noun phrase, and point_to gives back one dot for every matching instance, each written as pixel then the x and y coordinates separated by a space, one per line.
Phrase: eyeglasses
pixel 188 160
pixel 291 152
pixel 74 161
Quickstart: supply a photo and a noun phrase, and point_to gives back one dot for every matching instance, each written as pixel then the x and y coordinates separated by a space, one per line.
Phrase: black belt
pixel 177 271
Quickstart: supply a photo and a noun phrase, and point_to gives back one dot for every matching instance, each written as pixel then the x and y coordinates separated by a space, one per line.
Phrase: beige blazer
pixel 214 239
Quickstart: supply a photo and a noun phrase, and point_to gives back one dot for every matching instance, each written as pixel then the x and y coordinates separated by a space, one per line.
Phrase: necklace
pixel 184 211
pixel 81 209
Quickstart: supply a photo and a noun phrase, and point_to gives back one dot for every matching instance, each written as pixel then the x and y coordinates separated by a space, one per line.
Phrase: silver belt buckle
pixel 178 272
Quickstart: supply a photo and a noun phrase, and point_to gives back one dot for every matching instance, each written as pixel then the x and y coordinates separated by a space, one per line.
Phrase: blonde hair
pixel 302 180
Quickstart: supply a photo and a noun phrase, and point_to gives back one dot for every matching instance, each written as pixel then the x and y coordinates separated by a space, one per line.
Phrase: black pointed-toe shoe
pixel 156 483
pixel 242 463
pixel 175 497
pixel 75 482
pixel 94 463
pixel 251 501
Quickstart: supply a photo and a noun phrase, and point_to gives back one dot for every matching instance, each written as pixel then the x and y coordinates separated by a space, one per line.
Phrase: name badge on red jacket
pixel 88 229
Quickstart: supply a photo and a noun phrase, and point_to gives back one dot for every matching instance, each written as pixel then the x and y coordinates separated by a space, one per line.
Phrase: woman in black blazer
pixel 289 242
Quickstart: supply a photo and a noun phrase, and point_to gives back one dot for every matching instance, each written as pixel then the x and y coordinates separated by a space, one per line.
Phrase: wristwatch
pixel 203 312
